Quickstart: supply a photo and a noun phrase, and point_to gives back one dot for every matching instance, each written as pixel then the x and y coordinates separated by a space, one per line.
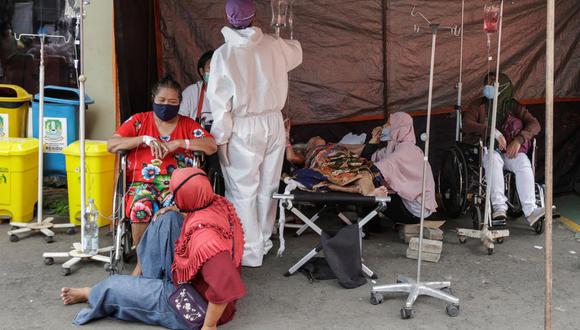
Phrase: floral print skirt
pixel 143 200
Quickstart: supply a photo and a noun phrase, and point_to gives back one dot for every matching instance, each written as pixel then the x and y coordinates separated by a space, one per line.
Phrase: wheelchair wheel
pixel 539 226
pixel 513 199
pixel 452 183
pixel 477 217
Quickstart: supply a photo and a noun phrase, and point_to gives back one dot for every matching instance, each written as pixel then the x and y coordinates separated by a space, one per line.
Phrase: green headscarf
pixel 505 101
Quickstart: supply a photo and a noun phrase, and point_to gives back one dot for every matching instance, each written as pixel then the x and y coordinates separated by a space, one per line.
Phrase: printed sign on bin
pixel 55 134
pixel 3 124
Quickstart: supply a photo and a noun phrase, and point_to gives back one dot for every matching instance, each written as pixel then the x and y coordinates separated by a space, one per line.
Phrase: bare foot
pixel 380 191
pixel 71 296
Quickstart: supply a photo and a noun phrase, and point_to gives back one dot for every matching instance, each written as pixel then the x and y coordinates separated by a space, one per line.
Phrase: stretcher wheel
pixel 452 310
pixel 462 239
pixel 376 298
pixel 71 231
pixel 539 226
pixel 489 251
pixel 14 238
pixel 407 313
pixel 48 261
pixel 48 239
pixel 66 271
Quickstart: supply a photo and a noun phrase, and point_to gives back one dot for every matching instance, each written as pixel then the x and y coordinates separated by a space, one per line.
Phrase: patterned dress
pixel 148 177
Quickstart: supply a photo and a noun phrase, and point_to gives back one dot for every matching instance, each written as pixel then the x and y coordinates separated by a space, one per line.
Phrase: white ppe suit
pixel 247 89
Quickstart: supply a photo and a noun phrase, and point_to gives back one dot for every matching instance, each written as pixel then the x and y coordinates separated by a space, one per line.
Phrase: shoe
pixel 536 215
pixel 499 218
pixel 499 215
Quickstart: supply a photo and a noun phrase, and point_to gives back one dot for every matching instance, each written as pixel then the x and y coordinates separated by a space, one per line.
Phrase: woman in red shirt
pixel 158 141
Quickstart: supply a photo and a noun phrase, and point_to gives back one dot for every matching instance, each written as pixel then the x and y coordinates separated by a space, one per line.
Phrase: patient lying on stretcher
pixel 395 166
pixel 332 166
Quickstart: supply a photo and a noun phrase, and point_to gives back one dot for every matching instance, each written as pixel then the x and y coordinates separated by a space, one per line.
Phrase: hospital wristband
pixel 148 139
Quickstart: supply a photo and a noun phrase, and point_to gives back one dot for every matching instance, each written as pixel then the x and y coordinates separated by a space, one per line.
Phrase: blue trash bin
pixel 61 123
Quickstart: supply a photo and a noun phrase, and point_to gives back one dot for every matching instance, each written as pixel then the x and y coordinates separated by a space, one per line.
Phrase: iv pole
pixel 40 226
pixel 78 254
pixel 458 115
pixel 488 235
pixel 416 288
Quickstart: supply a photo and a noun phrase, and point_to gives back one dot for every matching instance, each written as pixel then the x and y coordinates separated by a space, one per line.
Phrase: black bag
pixel 342 252
pixel 189 305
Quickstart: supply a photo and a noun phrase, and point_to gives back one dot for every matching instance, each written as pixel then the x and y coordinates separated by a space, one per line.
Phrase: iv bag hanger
pixel 415 287
pixel 41 225
pixel 455 30
pixel 77 254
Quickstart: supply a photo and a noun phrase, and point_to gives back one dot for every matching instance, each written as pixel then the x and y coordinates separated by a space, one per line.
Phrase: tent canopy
pixel 352 48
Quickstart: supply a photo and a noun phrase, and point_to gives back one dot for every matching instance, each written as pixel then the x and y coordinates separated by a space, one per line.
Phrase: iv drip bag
pixel 279 13
pixel 490 17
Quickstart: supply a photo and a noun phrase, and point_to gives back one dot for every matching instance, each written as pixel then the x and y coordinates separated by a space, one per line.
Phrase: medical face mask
pixel 488 92
pixel 165 112
pixel 386 134
pixel 206 78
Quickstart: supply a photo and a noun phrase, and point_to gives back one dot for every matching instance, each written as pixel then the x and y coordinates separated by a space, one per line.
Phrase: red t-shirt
pixel 141 165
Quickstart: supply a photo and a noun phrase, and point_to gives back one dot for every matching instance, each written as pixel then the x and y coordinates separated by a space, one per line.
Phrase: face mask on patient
pixel 165 112
pixel 386 134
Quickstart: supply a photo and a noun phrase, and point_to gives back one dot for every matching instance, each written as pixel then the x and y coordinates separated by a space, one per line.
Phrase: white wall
pixel 99 49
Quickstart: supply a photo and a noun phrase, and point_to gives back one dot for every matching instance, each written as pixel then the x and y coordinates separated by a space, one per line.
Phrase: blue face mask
pixel 488 92
pixel 386 134
pixel 165 112
pixel 206 78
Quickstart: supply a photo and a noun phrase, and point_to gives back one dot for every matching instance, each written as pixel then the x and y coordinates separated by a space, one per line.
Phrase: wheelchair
pixel 461 185
pixel 123 249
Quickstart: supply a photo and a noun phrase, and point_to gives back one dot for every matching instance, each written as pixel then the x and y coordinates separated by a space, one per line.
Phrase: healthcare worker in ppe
pixel 247 89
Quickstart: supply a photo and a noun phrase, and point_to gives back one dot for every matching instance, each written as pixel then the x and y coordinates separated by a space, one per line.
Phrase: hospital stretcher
pixel 292 197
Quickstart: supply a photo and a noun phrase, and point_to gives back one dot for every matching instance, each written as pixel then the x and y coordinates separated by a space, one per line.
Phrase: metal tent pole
pixel 549 160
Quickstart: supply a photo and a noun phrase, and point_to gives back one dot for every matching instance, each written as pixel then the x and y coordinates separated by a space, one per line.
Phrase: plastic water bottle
pixel 91 239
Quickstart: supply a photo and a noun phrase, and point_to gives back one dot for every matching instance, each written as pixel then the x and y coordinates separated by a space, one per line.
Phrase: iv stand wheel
pixel 71 231
pixel 66 271
pixel 49 239
pixel 376 298
pixel 407 313
pixel 452 310
pixel 14 238
pixel 48 261
pixel 462 239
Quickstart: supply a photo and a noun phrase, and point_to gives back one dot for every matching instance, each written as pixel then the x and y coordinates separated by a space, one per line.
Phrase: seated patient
pixel 515 128
pixel 158 141
pixel 207 252
pixel 401 165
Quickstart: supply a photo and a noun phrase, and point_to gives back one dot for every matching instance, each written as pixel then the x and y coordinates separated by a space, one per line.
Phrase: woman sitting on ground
pixel 159 142
pixel 206 252
pixel 401 165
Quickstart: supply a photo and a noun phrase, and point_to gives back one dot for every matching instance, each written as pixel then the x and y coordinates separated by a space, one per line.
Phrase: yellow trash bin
pixel 100 177
pixel 18 178
pixel 14 103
